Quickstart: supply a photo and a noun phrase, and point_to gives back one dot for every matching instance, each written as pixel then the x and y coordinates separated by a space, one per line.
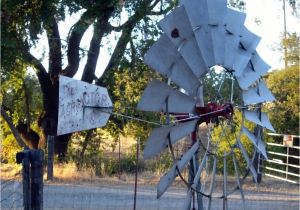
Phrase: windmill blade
pixel 256 68
pixel 166 180
pixel 249 163
pixel 264 121
pixel 234 27
pixel 247 46
pixel 197 12
pixel 264 92
pixel 159 137
pixel 164 58
pixel 177 27
pixel 257 94
pixel 207 19
pixel 249 40
pixel 158 95
pixel 258 143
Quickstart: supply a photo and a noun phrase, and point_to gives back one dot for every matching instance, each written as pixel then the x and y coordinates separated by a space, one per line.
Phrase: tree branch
pixel 78 30
pixel 43 77
pixel 127 28
pixel 13 128
pixel 54 42
pixel 101 28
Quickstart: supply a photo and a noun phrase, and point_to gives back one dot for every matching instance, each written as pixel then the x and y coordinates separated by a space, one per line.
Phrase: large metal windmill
pixel 199 35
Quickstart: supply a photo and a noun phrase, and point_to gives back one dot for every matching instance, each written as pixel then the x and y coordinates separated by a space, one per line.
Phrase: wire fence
pixel 11 192
pixel 74 189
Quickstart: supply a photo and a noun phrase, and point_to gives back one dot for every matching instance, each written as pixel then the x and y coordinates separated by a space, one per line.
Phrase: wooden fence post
pixel 50 146
pixel 26 181
pixel 37 157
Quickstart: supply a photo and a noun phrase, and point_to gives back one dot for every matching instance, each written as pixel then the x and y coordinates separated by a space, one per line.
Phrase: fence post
pixel 136 172
pixel 26 180
pixel 37 157
pixel 50 145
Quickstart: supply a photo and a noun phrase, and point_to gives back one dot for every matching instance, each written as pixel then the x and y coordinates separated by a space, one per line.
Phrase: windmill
pixel 198 35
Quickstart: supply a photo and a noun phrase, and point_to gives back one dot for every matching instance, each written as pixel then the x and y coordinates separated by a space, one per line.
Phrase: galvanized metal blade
pixel 249 163
pixel 164 58
pixel 177 27
pixel 249 40
pixel 169 177
pixel 247 46
pixel 234 26
pixel 257 94
pixel 256 141
pixel 206 44
pixel 262 120
pixel 157 142
pixel 181 130
pixel 237 175
pixel 264 92
pixel 158 95
pixel 159 137
pixel 256 68
pixel 197 11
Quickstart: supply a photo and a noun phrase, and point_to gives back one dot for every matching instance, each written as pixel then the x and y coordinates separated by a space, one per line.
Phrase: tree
pixel 25 21
pixel 284 113
pixel 292 45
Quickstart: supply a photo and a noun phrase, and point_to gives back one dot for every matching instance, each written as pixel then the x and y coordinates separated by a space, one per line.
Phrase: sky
pixel 268 13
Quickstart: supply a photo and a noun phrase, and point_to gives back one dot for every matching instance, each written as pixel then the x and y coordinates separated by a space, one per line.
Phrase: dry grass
pixel 9 171
pixel 69 174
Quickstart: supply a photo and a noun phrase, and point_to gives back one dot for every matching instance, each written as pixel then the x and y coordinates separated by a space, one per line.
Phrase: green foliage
pixel 284 112
pixel 292 45
pixel 240 4
pixel 224 137
pixel 21 96
pixel 128 87
pixel 220 79
pixel 9 146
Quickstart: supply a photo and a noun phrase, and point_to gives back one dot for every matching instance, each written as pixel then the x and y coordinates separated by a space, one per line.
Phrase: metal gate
pixel 283 162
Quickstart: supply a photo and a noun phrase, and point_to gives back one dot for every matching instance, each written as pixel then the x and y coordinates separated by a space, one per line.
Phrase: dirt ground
pixel 117 194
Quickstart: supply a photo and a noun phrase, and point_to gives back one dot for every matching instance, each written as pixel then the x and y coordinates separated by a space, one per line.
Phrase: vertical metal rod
pixel 50 145
pixel 287 163
pixel 212 182
pixel 225 205
pixel 232 90
pixel 136 173
pixel 237 174
pixel 119 157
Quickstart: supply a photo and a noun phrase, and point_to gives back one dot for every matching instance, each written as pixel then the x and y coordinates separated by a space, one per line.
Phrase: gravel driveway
pixel 91 196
